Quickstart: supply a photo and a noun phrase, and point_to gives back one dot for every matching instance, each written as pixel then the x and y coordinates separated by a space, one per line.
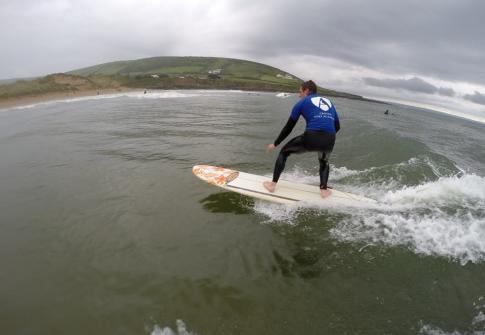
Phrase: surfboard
pixel 286 192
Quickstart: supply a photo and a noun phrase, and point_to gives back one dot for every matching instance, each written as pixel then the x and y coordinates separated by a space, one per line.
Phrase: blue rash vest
pixel 318 112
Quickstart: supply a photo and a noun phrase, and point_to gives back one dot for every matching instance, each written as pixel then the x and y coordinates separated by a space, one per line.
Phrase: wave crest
pixel 443 217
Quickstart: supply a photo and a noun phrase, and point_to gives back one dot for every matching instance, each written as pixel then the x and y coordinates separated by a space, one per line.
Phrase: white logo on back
pixel 322 103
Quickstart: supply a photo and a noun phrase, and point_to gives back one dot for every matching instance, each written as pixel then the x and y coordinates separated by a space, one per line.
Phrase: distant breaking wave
pixel 137 95
pixel 283 95
pixel 150 94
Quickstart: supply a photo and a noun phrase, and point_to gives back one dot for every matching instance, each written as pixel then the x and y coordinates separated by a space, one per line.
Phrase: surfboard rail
pixel 286 192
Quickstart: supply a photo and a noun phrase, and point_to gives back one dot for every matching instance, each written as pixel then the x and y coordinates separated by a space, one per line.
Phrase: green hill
pixel 56 83
pixel 194 72
pixel 230 68
pixel 165 73
pixel 200 72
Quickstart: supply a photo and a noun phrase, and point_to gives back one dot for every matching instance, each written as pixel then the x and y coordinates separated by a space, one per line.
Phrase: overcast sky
pixel 428 52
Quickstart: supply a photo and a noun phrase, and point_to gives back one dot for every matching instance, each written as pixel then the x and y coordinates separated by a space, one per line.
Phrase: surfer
pixel 322 123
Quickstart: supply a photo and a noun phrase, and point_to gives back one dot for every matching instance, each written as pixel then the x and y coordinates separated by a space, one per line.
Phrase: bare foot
pixel 269 185
pixel 325 193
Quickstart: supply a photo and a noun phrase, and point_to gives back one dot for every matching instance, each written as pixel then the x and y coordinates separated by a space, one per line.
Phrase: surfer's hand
pixel 270 148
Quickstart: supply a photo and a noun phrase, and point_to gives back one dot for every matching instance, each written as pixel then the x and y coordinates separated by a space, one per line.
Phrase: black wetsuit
pixel 319 136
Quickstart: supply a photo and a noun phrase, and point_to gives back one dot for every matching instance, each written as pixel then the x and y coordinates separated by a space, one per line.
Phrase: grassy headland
pixel 160 73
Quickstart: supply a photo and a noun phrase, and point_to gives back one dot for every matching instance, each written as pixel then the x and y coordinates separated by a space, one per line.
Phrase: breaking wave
pixel 442 215
pixel 135 95
pixel 181 329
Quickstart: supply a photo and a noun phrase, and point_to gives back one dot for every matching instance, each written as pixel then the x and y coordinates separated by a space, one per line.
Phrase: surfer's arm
pixel 337 125
pixel 337 122
pixel 294 116
pixel 285 131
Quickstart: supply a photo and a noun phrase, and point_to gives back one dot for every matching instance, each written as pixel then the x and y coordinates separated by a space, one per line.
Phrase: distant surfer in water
pixel 322 123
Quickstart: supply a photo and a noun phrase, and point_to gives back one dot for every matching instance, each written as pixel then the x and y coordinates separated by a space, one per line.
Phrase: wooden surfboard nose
pixel 215 175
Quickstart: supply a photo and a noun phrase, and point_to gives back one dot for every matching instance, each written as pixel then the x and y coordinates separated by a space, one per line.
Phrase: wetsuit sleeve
pixel 285 131
pixel 294 116
pixel 296 111
pixel 337 122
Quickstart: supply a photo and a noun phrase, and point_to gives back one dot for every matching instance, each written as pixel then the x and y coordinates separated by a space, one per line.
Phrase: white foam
pixel 477 324
pixel 432 330
pixel 444 217
pixel 151 94
pixel 479 319
pixel 276 212
pixel 283 95
pixel 160 95
pixel 181 330
pixel 224 92
pixel 343 172
pixel 445 191
pixel 134 95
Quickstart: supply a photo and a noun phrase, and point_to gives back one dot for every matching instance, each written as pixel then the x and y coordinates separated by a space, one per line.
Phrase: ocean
pixel 104 229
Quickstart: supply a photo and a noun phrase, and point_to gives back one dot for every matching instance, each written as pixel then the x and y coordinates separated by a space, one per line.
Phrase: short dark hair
pixel 309 85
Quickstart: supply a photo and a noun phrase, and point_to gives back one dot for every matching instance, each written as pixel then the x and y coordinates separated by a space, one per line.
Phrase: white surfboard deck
pixel 286 192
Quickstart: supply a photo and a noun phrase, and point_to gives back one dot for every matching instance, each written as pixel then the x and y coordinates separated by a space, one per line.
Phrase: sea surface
pixel 104 229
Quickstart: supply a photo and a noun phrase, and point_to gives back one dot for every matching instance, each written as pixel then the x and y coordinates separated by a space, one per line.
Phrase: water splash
pixel 161 95
pixel 181 330
pixel 443 217
pixel 476 327
pixel 135 95
pixel 283 95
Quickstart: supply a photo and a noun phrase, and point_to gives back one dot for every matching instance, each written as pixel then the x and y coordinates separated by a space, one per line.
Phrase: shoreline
pixel 26 100
pixel 35 99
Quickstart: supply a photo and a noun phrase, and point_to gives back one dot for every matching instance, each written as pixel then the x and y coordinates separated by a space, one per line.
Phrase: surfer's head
pixel 307 88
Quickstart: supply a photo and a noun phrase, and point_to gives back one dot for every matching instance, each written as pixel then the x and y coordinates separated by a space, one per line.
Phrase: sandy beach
pixel 33 99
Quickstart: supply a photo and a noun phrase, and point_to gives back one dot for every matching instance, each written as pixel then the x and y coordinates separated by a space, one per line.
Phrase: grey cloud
pixel 414 84
pixel 477 98
pixel 41 36
pixel 447 91
pixel 433 38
